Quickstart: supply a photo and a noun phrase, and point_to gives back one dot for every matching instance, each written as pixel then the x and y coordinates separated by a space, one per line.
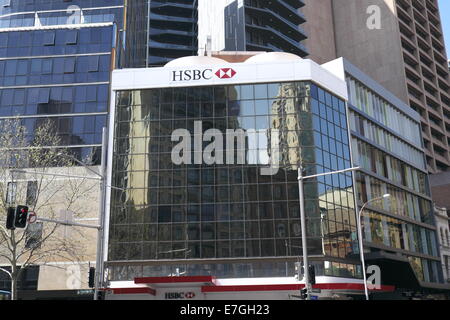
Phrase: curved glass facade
pixel 229 209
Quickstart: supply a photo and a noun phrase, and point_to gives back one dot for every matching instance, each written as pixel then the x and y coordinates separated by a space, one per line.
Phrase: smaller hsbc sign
pixel 202 74
pixel 179 295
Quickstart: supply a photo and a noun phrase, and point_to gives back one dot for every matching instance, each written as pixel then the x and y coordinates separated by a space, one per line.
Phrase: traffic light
pixel 10 218
pixel 91 277
pixel 303 294
pixel 312 274
pixel 21 217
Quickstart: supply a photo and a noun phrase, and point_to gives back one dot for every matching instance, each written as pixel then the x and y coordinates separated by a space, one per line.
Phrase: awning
pixel 395 270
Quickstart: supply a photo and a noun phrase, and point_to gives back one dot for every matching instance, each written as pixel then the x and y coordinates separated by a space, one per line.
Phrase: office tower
pixel 159 31
pixel 399 43
pixel 251 25
pixel 55 62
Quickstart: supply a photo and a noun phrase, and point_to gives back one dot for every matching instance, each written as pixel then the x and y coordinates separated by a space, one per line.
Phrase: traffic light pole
pixel 99 265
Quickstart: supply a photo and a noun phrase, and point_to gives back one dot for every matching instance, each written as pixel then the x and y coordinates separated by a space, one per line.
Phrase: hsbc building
pixel 205 226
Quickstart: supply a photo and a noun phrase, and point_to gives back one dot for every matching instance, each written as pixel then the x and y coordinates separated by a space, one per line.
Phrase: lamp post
pixel 303 221
pixel 361 250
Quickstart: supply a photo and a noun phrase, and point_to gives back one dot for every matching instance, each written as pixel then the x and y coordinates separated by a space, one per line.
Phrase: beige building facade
pixel 400 44
pixel 61 254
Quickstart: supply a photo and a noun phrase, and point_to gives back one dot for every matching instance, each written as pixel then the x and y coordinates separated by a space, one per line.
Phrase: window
pixel 32 188
pixel 47 66
pixel 69 65
pixel 49 39
pixel 33 235
pixel 93 64
pixel 71 37
pixel 44 95
pixel 11 193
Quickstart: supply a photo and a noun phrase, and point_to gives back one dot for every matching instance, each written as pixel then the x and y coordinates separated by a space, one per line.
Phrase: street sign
pixel 32 217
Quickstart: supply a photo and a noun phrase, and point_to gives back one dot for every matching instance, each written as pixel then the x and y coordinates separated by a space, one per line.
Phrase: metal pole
pixel 304 239
pixel 361 249
pixel 361 253
pixel 100 235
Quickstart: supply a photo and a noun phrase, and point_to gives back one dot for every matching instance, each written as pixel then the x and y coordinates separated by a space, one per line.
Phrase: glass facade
pixel 231 211
pixel 61 75
pixel 55 63
pixel 386 143
pixel 29 13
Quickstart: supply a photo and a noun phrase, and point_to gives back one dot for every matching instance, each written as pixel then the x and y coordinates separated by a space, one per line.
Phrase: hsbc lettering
pixel 206 74
pixel 179 295
pixel 192 75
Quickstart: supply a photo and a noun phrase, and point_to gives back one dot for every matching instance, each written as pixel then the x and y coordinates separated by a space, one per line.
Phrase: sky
pixel 444 6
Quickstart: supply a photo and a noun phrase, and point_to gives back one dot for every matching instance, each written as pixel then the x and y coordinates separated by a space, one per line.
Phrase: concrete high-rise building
pixel 400 44
pixel 252 25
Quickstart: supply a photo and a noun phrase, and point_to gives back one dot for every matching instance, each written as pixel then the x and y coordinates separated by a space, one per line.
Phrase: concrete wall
pixel 377 52
pixel 320 30
pixel 64 257
pixel 440 189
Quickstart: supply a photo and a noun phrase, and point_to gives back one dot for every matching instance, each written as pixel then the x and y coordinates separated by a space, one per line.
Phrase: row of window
pixel 373 159
pixel 57 39
pixel 391 232
pixel 400 202
pixel 241 269
pixel 386 140
pixel 373 105
pixel 221 94
pixel 63 95
pixel 54 70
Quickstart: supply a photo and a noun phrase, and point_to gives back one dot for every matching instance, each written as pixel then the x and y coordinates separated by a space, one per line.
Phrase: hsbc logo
pixel 225 73
pixel 206 74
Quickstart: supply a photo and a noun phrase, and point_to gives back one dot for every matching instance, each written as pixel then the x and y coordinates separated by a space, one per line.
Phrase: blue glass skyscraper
pixel 55 63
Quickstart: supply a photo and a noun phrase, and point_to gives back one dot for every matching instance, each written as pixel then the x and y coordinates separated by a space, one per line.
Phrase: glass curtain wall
pixel 200 211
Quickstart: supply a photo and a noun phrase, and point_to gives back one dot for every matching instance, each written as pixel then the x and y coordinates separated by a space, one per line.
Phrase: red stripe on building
pixel 133 291
pixel 168 280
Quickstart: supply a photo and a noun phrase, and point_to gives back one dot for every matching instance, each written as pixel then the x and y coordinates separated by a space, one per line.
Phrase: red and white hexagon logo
pixel 225 73
pixel 189 295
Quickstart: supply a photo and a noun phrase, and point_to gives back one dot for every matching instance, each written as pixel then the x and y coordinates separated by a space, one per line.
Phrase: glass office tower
pixel 223 219
pixel 55 63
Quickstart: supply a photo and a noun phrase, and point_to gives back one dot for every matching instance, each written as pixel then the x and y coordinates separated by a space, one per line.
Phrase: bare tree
pixel 32 173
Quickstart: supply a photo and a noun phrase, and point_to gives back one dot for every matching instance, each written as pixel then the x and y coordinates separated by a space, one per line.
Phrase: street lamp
pixel 361 250
pixel 303 221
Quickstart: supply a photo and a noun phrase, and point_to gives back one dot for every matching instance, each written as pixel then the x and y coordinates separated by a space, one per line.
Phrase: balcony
pixel 294 31
pixel 278 40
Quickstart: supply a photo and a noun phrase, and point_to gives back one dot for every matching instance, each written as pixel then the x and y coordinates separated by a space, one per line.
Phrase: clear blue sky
pixel 444 6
